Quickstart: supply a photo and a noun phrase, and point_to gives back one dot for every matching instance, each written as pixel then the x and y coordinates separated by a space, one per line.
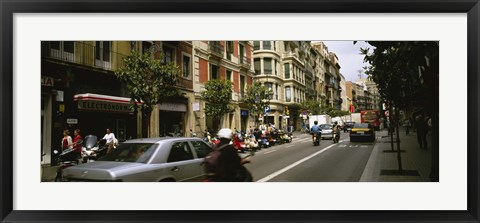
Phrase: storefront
pixel 172 116
pixel 95 113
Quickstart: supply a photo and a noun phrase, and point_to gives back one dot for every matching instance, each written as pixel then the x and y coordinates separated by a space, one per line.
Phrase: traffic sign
pixel 267 109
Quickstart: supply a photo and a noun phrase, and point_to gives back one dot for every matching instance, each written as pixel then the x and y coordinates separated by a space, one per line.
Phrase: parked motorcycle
pixel 239 143
pixel 65 159
pixel 93 149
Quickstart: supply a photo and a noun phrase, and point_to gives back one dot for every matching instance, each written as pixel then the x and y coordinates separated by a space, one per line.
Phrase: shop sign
pixel 173 107
pixel 196 106
pixel 72 121
pixel 93 105
pixel 47 81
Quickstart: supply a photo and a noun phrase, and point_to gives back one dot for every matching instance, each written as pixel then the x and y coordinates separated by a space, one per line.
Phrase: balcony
pixel 245 62
pixel 215 48
pixel 83 54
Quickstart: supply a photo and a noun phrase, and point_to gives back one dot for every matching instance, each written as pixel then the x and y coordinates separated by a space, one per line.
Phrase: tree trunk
pixel 146 114
pixel 390 128
pixel 399 153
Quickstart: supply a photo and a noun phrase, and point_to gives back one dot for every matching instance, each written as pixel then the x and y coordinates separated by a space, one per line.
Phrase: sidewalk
pixel 48 172
pixel 382 165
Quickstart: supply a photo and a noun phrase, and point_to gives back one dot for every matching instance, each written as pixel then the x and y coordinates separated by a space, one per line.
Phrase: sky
pixel 349 57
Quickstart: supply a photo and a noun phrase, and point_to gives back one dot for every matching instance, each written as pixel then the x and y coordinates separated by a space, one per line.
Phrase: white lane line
pixel 271 151
pixel 269 177
pixel 289 146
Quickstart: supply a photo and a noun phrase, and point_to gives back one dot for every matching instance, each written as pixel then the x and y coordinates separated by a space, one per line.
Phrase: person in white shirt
pixel 110 140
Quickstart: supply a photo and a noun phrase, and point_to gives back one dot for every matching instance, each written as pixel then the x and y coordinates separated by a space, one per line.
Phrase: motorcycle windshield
pixel 90 141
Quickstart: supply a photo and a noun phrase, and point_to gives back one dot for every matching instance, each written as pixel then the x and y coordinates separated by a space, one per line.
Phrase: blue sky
pixel 349 57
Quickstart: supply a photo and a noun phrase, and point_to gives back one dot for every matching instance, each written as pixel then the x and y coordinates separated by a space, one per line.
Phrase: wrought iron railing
pixel 83 54
pixel 215 47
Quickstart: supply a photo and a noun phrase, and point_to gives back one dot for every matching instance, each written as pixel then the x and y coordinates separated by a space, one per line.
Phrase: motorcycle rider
pixel 316 130
pixel 336 131
pixel 227 164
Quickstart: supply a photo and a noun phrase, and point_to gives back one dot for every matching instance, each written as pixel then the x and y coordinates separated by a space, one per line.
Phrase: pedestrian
pixel 110 140
pixel 77 144
pixel 406 125
pixel 66 140
pixel 224 164
pixel 422 128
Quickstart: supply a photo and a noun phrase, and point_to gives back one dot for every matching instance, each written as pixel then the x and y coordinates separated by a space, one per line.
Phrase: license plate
pixel 360 132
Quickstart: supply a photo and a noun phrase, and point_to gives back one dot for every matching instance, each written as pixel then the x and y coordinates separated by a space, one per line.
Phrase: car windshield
pixel 131 152
pixel 325 126
pixel 361 125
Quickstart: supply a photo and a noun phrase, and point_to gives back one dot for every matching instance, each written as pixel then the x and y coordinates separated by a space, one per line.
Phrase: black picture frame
pixel 10 7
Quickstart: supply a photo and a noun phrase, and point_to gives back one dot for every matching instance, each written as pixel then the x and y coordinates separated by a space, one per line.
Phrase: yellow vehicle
pixel 362 131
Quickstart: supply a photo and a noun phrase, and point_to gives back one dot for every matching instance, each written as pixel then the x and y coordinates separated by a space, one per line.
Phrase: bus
pixel 372 117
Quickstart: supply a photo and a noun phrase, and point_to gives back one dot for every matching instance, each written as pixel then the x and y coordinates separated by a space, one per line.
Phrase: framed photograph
pixel 51 42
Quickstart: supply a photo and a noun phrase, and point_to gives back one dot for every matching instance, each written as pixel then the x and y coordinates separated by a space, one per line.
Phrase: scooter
pixel 93 150
pixel 336 137
pixel 65 159
pixel 316 139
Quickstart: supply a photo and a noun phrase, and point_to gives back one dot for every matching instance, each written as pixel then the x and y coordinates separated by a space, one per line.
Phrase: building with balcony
pixel 231 60
pixel 281 66
pixel 79 90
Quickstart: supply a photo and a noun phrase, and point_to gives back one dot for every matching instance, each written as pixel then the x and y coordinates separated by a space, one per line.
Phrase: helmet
pixel 335 123
pixel 315 122
pixel 225 133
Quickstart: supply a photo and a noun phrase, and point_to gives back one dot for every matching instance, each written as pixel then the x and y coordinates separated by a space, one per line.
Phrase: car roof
pixel 159 139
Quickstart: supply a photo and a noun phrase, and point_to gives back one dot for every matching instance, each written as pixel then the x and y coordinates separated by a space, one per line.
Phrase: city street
pixel 300 161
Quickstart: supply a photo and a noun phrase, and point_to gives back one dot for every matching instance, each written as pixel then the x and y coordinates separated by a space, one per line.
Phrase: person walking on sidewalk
pixel 406 125
pixel 422 128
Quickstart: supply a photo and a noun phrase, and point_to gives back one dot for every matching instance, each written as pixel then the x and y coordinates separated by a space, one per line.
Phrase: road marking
pixel 363 146
pixel 342 146
pixel 269 177
pixel 271 151
pixel 289 146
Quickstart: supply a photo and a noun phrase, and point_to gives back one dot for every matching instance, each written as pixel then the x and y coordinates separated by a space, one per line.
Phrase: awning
pixel 103 103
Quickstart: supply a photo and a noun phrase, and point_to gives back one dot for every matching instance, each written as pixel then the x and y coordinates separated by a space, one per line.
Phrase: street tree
pixel 311 106
pixel 217 96
pixel 257 98
pixel 406 72
pixel 149 82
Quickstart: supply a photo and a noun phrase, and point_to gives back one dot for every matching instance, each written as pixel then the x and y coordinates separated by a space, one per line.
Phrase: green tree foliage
pixel 257 99
pixel 406 71
pixel 217 95
pixel 311 106
pixel 149 81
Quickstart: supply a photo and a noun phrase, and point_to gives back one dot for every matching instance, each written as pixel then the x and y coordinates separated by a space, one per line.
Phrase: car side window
pixel 201 148
pixel 180 151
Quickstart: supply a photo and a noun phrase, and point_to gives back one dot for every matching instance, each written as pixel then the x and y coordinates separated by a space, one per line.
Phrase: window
pixel 256 45
pixel 146 46
pixel 242 85
pixel 267 65
pixel 287 70
pixel 102 54
pixel 68 46
pixel 276 91
pixel 180 151
pixel 229 75
pixel 201 148
pixel 267 45
pixel 229 49
pixel 256 63
pixel 62 50
pixel 185 66
pixel 213 72
pixel 168 55
pixel 242 53
pixel 288 94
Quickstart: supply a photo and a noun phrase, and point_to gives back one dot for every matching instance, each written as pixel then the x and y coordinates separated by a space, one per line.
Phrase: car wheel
pixel 168 180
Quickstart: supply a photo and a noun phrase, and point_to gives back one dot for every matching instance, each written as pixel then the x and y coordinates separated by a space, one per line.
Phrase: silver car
pixel 327 131
pixel 148 159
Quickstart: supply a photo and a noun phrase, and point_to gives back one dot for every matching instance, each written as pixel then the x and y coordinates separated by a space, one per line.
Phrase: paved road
pixel 300 161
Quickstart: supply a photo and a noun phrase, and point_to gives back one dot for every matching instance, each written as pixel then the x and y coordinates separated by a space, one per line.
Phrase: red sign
pixel 352 109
